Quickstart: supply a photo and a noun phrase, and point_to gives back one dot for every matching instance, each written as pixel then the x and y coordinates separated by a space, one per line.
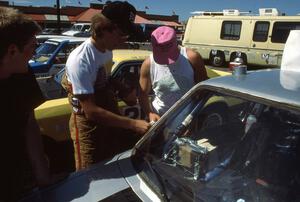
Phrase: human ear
pixel 12 49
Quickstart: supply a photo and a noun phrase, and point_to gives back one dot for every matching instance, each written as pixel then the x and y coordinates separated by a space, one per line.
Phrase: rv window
pixel 261 31
pixel 231 30
pixel 281 31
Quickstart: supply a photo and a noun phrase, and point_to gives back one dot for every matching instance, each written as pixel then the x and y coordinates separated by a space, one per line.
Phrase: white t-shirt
pixel 85 68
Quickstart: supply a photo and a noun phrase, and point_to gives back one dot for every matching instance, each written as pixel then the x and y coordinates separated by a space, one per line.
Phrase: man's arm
pixel 197 63
pixel 145 87
pixel 98 114
pixel 35 151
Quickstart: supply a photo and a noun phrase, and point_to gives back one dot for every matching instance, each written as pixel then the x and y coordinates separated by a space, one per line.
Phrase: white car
pixel 231 138
pixel 79 29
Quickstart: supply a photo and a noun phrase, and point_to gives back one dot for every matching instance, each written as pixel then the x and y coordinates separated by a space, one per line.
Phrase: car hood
pixel 33 63
pixel 93 184
pixel 113 179
pixel 70 32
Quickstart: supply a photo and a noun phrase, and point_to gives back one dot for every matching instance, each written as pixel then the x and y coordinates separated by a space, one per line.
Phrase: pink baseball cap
pixel 164 45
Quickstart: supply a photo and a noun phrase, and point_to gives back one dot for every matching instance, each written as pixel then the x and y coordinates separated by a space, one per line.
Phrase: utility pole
pixel 58 16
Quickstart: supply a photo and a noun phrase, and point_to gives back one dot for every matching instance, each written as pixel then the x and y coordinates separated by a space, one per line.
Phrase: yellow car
pixel 53 115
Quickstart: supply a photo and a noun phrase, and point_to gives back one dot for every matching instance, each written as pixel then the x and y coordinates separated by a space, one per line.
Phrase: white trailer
pixel 222 36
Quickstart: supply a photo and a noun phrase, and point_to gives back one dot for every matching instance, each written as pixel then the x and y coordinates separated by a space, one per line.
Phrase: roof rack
pixel 235 12
pixel 269 12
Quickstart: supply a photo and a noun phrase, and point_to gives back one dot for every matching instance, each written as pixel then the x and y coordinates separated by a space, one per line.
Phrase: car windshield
pixel 76 27
pixel 45 51
pixel 220 147
pixel 80 27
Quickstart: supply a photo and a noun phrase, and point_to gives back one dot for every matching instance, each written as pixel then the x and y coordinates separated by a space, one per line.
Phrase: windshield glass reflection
pixel 44 52
pixel 219 147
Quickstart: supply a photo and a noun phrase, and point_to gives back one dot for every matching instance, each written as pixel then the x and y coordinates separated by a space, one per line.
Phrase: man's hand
pixel 153 117
pixel 140 126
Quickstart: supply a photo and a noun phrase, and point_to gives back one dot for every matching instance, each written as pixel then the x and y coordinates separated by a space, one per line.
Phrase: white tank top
pixel 170 82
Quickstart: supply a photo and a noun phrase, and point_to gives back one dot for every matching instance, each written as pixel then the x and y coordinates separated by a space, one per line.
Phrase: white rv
pixel 222 36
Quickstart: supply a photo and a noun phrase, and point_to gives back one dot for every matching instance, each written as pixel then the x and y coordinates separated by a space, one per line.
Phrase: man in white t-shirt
pixel 95 114
pixel 170 72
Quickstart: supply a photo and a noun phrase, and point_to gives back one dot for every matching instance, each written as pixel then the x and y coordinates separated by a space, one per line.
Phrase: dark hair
pixel 99 24
pixel 15 28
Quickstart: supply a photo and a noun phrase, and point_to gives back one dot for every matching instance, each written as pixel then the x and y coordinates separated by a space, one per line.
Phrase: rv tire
pixel 217 60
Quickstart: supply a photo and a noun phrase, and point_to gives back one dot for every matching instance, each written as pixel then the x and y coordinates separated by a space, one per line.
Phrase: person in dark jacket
pixel 20 94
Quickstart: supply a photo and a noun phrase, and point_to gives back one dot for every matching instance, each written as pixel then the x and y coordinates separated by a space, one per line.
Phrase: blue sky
pixel 184 7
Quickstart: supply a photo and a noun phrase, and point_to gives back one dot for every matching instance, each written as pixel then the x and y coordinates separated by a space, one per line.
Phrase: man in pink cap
pixel 170 72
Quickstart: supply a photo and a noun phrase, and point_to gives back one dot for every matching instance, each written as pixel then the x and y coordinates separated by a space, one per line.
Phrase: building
pixel 63 18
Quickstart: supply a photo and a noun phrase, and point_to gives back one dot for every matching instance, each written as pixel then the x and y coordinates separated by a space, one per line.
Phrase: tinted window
pixel 231 30
pixel 125 78
pixel 128 73
pixel 261 31
pixel 281 31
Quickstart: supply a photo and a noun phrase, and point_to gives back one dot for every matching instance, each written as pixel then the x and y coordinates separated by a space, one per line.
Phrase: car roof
pixel 82 23
pixel 48 36
pixel 70 39
pixel 273 84
pixel 123 55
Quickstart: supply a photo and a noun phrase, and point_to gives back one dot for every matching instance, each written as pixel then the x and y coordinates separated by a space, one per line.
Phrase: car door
pixel 129 72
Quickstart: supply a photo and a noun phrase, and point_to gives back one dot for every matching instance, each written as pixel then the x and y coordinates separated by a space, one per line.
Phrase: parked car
pixel 51 56
pixel 231 138
pixel 53 115
pixel 44 37
pixel 48 31
pixel 79 29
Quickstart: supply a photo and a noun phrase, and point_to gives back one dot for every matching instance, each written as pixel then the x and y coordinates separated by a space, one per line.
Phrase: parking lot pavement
pixel 226 69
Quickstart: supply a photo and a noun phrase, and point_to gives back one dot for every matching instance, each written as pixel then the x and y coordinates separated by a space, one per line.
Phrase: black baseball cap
pixel 122 14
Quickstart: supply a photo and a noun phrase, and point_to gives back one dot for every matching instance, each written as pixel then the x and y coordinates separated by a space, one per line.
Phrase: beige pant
pixel 91 141
pixel 94 142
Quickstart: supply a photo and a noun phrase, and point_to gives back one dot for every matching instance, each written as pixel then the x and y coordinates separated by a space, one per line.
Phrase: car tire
pixel 217 60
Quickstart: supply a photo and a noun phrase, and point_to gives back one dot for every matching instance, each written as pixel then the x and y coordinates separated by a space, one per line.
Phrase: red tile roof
pixel 170 23
pixel 37 17
pixel 87 15
pixel 140 20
